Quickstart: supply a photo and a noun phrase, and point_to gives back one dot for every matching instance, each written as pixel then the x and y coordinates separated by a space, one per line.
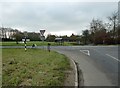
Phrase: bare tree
pixel 96 27
pixel 114 20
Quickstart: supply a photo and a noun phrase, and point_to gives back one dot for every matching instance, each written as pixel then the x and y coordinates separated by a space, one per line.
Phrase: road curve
pixel 98 68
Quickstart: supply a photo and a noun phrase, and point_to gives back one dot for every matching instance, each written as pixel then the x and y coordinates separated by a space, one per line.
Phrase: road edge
pixel 79 80
pixel 76 73
pixel 76 83
pixel 80 76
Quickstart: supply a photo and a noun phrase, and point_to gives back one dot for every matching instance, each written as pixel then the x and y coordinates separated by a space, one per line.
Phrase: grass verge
pixel 0 67
pixel 33 68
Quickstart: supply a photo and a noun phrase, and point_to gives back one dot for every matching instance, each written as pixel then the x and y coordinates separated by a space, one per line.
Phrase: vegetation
pixel 38 43
pixel 103 33
pixel 99 32
pixel 33 68
pixel 0 67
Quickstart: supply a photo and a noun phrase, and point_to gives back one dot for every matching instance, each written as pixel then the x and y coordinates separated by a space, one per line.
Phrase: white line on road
pixel 84 51
pixel 113 57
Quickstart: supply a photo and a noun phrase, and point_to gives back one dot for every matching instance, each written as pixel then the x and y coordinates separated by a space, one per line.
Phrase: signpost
pixel 42 37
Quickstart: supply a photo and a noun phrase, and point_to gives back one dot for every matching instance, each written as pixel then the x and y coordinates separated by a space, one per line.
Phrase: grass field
pixel 38 43
pixel 0 67
pixel 34 67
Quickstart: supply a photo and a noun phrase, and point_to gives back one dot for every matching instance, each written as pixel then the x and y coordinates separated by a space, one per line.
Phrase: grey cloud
pixel 54 16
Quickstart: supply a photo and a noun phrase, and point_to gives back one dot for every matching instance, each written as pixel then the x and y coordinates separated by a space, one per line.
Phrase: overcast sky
pixel 60 18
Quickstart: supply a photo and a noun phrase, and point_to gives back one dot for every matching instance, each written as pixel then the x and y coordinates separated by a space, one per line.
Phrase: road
pixel 99 64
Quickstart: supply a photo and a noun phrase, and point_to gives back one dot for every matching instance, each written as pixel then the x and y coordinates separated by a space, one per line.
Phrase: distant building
pixel 59 41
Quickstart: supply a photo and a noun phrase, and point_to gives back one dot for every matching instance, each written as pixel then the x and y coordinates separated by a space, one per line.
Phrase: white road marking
pixel 113 57
pixel 84 51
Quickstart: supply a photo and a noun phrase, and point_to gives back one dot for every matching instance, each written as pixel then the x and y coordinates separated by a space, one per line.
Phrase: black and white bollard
pixel 25 45
pixel 25 48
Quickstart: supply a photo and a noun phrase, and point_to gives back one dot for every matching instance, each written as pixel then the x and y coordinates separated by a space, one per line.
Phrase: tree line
pixel 99 32
pixel 103 33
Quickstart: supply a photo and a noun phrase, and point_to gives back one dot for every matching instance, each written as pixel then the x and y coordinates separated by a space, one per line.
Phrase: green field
pixel 35 67
pixel 0 67
pixel 38 43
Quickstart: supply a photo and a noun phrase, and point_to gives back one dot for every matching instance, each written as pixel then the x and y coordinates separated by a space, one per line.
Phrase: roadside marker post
pixel 25 45
pixel 25 34
pixel 49 47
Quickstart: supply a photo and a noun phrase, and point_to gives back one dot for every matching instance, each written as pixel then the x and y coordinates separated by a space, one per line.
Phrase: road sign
pixel 42 37
pixel 42 32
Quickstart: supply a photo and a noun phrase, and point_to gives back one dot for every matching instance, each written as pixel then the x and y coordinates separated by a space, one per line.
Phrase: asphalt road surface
pixel 99 64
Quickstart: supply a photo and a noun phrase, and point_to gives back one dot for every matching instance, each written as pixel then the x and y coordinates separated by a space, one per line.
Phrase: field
pixel 38 43
pixel 35 67
pixel 0 67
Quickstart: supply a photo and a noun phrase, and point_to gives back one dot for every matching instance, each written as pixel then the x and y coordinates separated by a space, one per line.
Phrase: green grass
pixel 38 43
pixel 33 68
pixel 0 67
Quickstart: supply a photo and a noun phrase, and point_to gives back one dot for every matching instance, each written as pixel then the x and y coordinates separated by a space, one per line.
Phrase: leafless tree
pixel 114 20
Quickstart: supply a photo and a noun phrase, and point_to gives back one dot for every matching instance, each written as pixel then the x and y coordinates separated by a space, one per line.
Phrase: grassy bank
pixel 38 43
pixel 33 68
